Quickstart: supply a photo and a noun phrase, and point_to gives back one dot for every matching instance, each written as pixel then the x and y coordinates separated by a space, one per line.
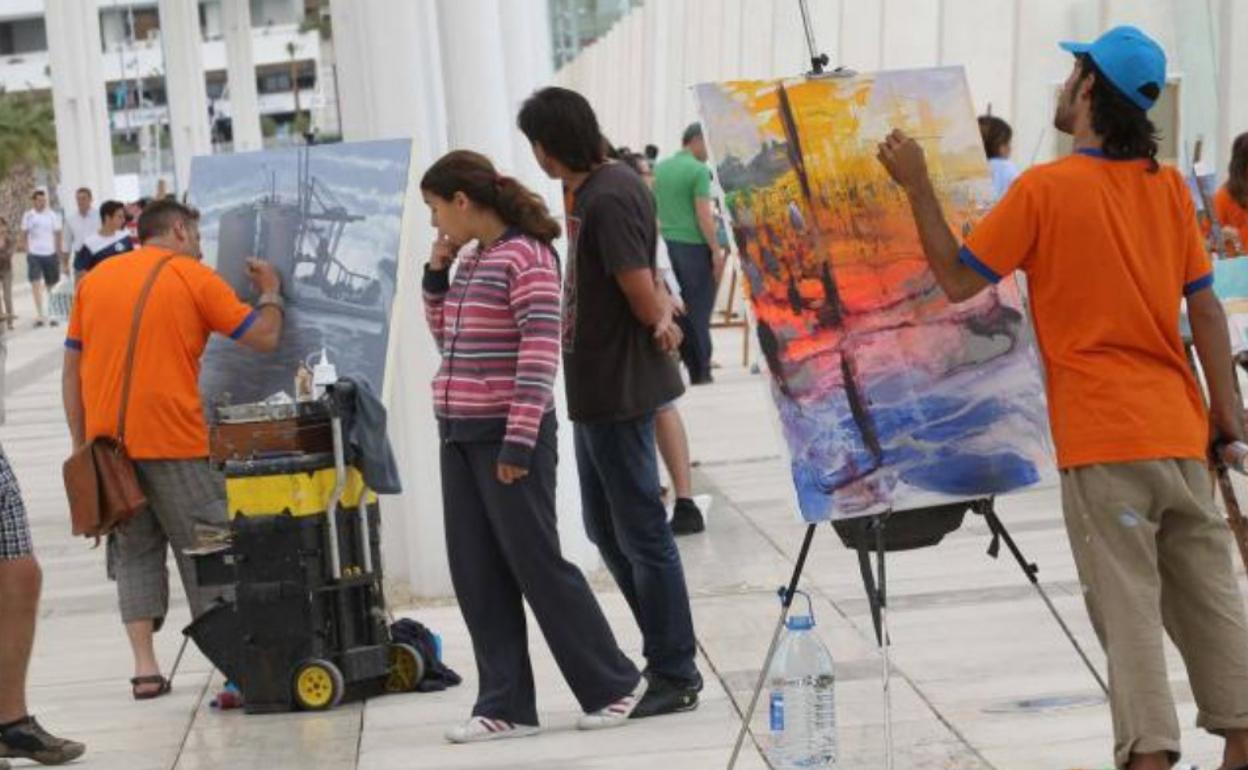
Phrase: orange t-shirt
pixel 188 302
pixel 1231 214
pixel 1109 250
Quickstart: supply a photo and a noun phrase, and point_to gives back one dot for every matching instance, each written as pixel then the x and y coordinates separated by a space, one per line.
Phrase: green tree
pixel 27 132
pixel 27 144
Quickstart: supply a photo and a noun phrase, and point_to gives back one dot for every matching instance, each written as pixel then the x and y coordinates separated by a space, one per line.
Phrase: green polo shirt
pixel 678 182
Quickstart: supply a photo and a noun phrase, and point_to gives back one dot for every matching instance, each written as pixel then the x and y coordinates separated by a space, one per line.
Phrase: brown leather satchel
pixel 100 478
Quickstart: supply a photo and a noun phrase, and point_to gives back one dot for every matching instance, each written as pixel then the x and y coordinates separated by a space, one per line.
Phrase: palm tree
pixel 27 132
pixel 292 50
pixel 27 143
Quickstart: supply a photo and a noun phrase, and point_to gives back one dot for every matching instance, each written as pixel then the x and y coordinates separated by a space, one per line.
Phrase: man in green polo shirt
pixel 682 188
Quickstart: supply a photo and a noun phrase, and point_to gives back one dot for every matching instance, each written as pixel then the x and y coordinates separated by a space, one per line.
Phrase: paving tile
pixel 970 639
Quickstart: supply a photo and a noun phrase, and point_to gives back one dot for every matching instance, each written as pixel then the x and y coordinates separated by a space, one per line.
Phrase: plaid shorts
pixel 14 529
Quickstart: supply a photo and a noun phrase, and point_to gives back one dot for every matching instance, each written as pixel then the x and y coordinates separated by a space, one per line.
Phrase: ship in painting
pixel 301 237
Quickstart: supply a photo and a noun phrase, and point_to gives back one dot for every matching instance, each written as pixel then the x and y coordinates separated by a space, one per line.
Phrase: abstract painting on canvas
pixel 889 397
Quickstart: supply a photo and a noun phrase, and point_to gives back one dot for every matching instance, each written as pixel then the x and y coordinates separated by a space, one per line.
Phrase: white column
pixel 731 34
pixel 83 138
pixel 1233 97
pixel 390 72
pixel 672 89
pixel 528 65
pixel 861 35
pixel 1043 67
pixel 390 86
pixel 911 33
pixel 244 104
pixel 473 53
pixel 757 26
pixel 980 36
pixel 184 85
pixel 790 54
pixel 655 74
pixel 1155 17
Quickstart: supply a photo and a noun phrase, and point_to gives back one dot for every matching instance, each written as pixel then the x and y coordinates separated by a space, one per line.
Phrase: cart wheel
pixel 407 668
pixel 318 685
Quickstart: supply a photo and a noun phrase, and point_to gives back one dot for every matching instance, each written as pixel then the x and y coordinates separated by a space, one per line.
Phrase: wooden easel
pixel 727 317
pixel 1230 500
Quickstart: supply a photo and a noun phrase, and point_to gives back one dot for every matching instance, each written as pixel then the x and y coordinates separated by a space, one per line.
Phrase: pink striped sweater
pixel 497 328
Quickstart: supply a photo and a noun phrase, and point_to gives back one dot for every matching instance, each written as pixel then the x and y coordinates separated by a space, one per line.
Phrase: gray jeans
pixel 181 495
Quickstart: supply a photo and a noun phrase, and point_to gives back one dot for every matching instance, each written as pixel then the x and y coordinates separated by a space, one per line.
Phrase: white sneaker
pixel 479 729
pixel 614 714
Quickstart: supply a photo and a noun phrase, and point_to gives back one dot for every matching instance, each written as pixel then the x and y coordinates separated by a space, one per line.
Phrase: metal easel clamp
pixel 819 61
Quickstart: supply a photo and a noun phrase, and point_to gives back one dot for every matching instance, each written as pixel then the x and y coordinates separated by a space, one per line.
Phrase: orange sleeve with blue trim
pixel 1197 266
pixel 223 312
pixel 1005 239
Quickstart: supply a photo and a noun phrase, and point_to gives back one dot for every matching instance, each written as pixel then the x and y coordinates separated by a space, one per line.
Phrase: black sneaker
pixel 687 518
pixel 28 740
pixel 667 696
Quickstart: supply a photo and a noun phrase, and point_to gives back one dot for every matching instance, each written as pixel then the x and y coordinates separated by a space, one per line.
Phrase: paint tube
pixel 1235 456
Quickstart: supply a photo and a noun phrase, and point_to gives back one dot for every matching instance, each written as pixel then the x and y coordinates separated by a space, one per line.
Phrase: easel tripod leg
pixel 886 661
pixel 1029 569
pixel 1234 516
pixel 785 602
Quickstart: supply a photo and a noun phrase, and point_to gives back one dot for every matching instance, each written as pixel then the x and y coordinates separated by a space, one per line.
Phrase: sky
pixel 368 178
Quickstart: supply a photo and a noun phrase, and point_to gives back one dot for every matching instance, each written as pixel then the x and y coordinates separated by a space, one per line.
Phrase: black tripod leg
pixel 786 599
pixel 988 510
pixel 881 593
pixel 868 577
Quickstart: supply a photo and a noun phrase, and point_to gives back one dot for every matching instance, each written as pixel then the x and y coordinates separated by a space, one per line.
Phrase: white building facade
pixel 638 76
pixel 126 76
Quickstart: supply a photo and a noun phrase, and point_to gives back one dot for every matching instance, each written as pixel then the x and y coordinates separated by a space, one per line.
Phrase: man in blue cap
pixel 1111 248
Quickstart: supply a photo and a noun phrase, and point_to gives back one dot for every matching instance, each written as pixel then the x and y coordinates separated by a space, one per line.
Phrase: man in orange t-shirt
pixel 1111 247
pixel 1230 203
pixel 164 429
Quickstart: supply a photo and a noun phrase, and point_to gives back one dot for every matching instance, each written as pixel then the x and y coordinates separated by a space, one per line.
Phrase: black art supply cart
pixel 307 626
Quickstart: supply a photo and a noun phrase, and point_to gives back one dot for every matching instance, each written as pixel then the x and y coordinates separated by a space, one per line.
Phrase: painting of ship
pixel 328 217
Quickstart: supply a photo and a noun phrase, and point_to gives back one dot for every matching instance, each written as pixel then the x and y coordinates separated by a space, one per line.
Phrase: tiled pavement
pixel 970 638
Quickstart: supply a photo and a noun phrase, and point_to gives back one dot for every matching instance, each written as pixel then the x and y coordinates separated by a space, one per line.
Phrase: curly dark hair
pixel 1124 128
pixel 1237 183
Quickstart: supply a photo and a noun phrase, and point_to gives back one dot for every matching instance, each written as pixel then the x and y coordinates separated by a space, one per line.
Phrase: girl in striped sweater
pixel 497 326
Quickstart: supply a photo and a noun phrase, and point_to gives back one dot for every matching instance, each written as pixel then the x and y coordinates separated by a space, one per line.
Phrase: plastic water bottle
pixel 324 374
pixel 801 699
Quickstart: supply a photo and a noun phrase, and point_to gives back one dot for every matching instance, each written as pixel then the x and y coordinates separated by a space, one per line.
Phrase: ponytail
pixel 473 174
pixel 522 208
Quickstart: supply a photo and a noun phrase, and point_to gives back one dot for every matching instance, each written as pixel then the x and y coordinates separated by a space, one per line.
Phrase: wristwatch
pixel 272 299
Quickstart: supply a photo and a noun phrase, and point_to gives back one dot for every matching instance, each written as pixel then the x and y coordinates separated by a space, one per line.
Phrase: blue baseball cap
pixel 1131 60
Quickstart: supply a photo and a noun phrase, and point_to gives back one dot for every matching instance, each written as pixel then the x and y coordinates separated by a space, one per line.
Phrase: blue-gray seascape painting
pixel 329 217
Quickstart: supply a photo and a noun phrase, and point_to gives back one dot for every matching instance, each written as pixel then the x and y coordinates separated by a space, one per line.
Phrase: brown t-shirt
pixel 613 368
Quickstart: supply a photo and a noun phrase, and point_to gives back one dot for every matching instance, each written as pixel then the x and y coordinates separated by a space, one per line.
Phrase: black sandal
pixel 139 681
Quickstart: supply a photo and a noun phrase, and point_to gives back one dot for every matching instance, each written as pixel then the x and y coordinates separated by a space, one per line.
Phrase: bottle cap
pixel 800 623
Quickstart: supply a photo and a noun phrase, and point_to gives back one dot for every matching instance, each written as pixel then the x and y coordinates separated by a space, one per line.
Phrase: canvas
pixel 1230 284
pixel 329 218
pixel 889 397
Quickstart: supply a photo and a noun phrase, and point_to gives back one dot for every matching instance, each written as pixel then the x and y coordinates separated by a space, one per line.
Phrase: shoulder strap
pixel 133 343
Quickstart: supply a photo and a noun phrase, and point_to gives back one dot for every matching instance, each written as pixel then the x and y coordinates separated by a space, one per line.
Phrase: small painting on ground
pixel 889 397
pixel 329 217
